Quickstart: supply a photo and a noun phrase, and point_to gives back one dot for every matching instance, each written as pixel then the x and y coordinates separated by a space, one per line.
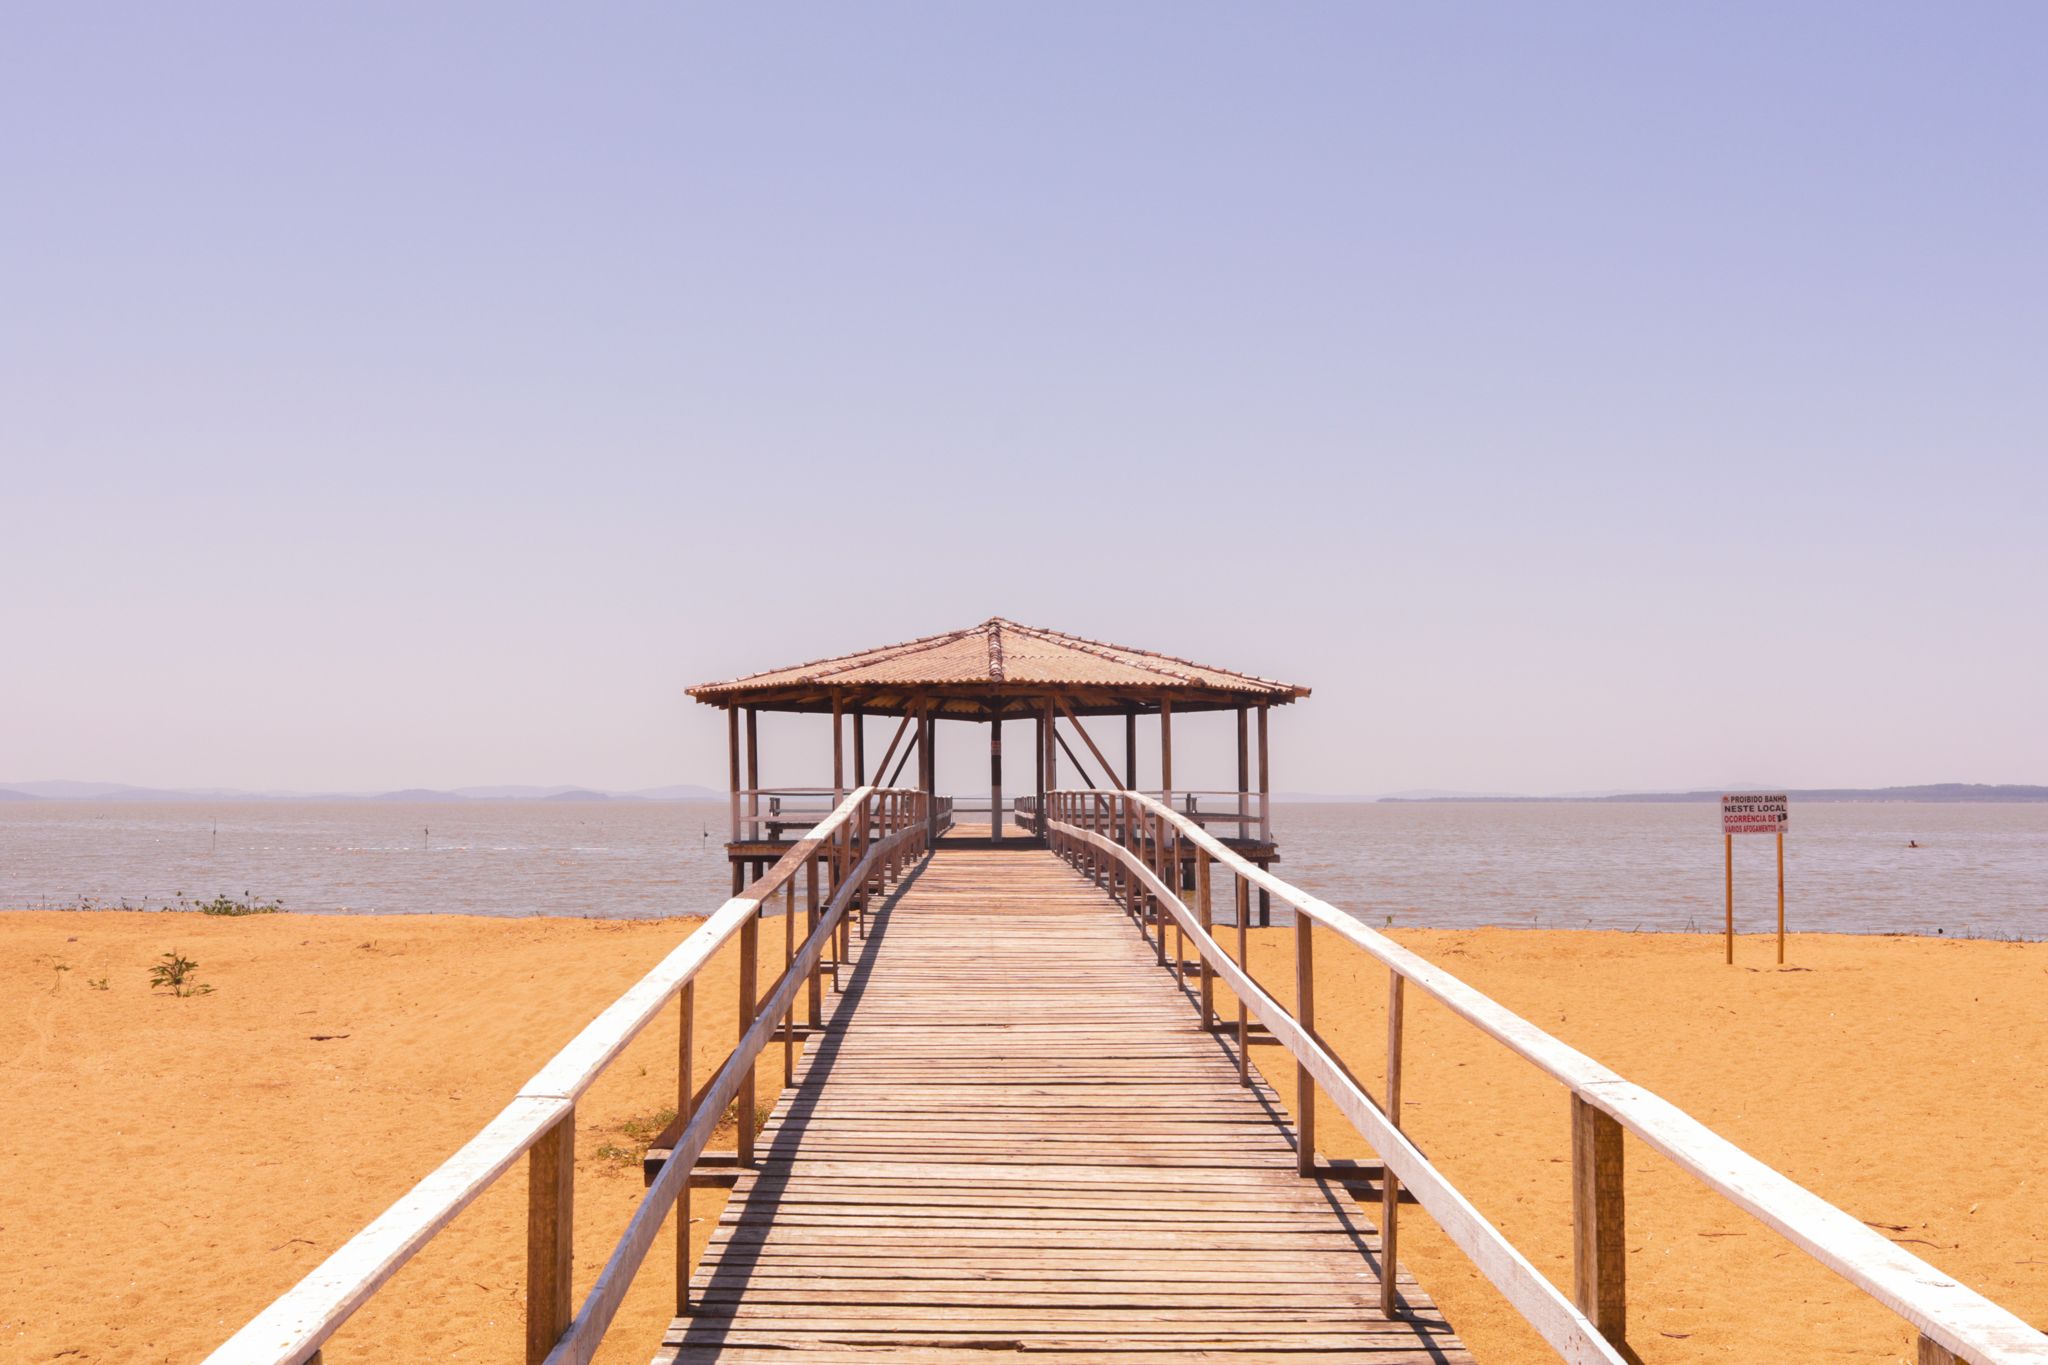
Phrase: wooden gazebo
pixel 990 673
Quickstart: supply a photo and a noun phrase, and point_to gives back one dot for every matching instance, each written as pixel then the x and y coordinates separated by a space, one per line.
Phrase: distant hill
pixel 1933 791
pixel 119 791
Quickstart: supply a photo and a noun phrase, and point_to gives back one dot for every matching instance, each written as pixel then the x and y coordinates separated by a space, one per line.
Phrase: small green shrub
pixel 227 905
pixel 174 973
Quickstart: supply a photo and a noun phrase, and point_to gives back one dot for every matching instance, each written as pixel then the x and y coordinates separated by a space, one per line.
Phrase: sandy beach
pixel 173 1164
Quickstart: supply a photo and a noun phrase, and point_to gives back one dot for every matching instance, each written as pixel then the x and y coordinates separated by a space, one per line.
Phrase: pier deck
pixel 1014 1135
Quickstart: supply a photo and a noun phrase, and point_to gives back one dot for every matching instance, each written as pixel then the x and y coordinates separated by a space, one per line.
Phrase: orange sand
pixel 172 1165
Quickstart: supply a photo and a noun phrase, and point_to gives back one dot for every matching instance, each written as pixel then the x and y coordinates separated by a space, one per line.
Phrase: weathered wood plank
pixel 1065 1164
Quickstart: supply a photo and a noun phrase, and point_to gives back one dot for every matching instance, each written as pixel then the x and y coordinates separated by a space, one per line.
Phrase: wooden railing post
pixel 750 969
pixel 1139 895
pixel 1203 912
pixel 788 961
pixel 849 858
pixel 1180 944
pixel 1390 1188
pixel 1158 826
pixel 1599 1253
pixel 815 992
pixel 1244 960
pixel 686 1093
pixel 869 880
pixel 1305 1011
pixel 550 1228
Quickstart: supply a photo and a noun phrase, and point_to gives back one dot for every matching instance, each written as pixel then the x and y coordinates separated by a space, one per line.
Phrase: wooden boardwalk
pixel 1015 1136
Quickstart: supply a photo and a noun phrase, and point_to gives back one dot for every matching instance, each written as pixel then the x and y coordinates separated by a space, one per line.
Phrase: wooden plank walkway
pixel 1014 1136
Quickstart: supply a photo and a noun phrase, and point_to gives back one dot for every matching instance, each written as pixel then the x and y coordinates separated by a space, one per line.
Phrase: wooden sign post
pixel 1753 813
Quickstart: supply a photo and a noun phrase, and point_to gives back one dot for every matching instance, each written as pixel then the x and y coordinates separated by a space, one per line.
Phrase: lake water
pixel 1981 870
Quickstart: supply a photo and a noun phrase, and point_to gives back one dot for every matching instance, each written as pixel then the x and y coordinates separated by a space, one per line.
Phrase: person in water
pixel 1912 843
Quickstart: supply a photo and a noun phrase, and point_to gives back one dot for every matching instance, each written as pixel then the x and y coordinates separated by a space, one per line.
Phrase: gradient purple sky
pixel 1578 397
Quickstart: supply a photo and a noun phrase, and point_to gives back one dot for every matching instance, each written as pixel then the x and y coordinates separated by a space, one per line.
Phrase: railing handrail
pixel 1546 1308
pixel 1951 1314
pixel 296 1323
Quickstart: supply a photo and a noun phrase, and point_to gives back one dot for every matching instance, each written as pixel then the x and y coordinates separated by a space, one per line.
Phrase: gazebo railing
pixel 765 813
pixel 1143 852
pixel 869 839
pixel 1244 816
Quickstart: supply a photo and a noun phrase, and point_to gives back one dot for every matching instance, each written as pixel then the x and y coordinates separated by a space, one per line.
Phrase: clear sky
pixel 1577 396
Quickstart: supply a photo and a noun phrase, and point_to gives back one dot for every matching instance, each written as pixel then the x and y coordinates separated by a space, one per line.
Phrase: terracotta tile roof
pixel 1000 656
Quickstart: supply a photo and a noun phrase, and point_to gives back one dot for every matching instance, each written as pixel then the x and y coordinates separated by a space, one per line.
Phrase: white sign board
pixel 1754 813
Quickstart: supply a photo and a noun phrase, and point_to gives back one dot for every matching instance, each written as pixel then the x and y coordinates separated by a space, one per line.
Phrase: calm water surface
pixel 1981 870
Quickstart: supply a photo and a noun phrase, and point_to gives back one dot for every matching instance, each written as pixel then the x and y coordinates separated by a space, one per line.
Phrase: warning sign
pixel 1754 813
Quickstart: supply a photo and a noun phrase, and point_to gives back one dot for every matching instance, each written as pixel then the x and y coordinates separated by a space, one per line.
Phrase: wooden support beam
pixel 860 747
pixel 550 1237
pixel 911 748
pixel 882 768
pixel 1599 1251
pixel 1933 1353
pixel 1108 772
pixel 1079 767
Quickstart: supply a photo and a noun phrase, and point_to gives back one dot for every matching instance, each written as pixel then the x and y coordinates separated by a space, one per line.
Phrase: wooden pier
pixel 1058 1160
pixel 1026 1119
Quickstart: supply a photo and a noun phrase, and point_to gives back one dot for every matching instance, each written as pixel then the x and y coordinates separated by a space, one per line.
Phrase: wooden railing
pixel 1142 851
pixel 867 841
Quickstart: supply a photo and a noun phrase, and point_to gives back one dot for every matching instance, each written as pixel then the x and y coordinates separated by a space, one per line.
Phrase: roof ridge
pixel 994 626
pixel 1096 646
pixel 844 661
pixel 1102 649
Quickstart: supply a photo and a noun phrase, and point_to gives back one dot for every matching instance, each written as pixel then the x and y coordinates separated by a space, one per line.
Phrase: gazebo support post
pixel 995 779
pixel 1244 774
pixel 1131 750
pixel 1166 753
pixel 732 745
pixel 926 772
pixel 838 753
pixel 1265 783
pixel 860 747
pixel 1265 813
pixel 1045 770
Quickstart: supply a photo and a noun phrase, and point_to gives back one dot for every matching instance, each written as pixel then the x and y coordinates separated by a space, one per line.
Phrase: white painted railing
pixel 1140 850
pixel 869 839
